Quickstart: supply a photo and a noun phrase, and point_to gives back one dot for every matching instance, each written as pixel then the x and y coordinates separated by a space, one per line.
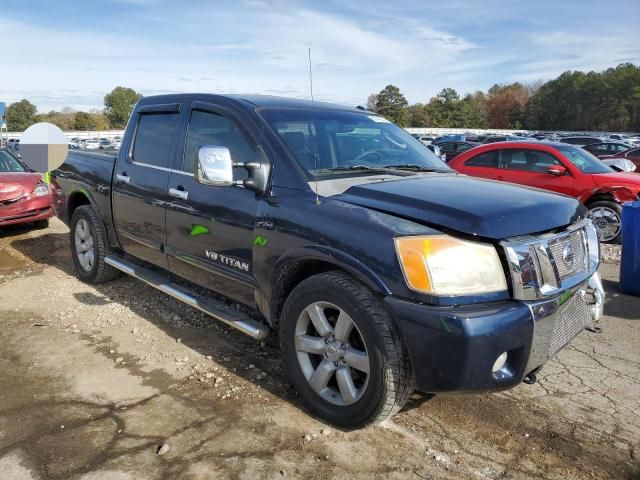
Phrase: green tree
pixel 392 105
pixel 21 115
pixel 445 109
pixel 83 121
pixel 473 110
pixel 118 105
pixel 418 116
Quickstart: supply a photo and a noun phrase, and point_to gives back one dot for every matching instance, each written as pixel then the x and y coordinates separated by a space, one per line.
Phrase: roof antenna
pixel 314 132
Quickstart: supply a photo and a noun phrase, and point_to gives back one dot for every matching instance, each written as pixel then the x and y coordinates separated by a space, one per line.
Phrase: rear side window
pixel 463 147
pixel 487 159
pixel 154 139
pixel 528 160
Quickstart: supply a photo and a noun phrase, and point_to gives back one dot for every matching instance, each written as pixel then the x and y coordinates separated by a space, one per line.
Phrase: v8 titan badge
pixel 43 147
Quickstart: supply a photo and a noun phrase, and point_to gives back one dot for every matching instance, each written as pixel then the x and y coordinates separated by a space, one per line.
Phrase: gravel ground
pixel 120 382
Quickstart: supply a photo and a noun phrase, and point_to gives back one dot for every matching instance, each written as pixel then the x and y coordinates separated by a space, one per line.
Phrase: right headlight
pixel 444 265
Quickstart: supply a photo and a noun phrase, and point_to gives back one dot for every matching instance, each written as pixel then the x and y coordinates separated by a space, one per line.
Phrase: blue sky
pixel 70 53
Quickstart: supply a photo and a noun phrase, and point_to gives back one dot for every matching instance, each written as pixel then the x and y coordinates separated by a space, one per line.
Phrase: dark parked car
pixel 632 154
pixel 380 268
pixel 453 149
pixel 603 149
pixel 502 138
pixel 581 140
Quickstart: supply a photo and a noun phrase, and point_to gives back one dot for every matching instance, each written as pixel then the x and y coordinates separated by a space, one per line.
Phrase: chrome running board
pixel 215 308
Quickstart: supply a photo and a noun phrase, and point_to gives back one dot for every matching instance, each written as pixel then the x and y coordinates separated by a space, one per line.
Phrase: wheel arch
pixel 300 263
pixel 610 194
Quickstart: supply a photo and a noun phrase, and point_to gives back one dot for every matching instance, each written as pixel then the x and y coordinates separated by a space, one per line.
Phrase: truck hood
pixel 472 206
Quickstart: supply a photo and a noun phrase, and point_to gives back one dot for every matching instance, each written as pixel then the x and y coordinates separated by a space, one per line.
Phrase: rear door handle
pixel 179 193
pixel 124 178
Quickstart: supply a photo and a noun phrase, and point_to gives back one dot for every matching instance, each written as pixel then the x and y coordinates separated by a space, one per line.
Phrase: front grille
pixel 573 318
pixel 547 265
pixel 568 253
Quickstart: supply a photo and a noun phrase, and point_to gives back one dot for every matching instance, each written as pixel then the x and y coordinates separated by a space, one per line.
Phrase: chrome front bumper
pixel 557 321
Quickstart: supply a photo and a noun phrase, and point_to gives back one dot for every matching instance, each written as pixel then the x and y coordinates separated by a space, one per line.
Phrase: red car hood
pixel 16 185
pixel 618 179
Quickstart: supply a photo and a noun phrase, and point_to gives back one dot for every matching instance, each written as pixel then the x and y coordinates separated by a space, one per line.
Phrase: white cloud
pixel 267 52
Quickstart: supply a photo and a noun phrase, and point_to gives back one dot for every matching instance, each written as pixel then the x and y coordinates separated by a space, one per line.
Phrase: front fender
pixel 620 194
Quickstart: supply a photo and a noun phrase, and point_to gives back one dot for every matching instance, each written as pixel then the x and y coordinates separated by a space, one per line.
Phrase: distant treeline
pixel 117 106
pixel 575 101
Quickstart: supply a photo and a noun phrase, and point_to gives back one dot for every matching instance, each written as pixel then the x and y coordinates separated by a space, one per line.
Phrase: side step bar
pixel 216 309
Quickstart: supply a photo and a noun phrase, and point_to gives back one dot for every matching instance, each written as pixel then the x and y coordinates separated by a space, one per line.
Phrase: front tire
pixel 89 246
pixel 343 352
pixel 607 218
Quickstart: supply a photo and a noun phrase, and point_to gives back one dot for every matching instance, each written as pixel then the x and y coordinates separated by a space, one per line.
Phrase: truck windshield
pixel 8 163
pixel 329 142
pixel 585 161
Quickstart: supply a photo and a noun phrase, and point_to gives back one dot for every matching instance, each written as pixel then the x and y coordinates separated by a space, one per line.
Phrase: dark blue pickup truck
pixel 381 270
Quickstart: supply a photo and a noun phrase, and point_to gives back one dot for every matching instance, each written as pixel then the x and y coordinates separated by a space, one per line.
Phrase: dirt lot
pixel 93 380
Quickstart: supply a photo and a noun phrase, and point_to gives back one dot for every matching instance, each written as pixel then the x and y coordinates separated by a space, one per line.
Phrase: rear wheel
pixel 89 246
pixel 343 352
pixel 607 217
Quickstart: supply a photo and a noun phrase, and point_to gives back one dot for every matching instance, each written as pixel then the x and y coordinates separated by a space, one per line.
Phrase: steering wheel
pixel 365 154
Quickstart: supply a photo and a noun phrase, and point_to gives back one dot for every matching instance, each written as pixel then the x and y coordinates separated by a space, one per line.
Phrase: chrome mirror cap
pixel 214 166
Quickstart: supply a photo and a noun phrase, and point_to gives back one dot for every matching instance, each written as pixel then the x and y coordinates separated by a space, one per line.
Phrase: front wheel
pixel 342 351
pixel 607 218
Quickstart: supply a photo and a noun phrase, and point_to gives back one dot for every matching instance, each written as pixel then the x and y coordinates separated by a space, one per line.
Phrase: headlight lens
pixel 443 265
pixel 41 190
pixel 593 245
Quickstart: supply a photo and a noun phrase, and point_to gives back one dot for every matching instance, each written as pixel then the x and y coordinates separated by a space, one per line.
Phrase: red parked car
pixel 561 168
pixel 24 197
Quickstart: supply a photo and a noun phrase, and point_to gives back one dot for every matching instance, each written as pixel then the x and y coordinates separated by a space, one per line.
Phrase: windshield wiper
pixel 346 168
pixel 416 168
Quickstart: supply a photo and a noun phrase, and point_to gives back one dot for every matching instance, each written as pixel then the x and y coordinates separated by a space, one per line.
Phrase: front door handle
pixel 124 178
pixel 179 193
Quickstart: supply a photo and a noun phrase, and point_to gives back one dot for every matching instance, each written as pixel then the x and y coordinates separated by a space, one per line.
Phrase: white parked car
pixel 92 144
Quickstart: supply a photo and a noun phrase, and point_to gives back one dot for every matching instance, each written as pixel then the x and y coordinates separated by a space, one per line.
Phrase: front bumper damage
pixel 454 349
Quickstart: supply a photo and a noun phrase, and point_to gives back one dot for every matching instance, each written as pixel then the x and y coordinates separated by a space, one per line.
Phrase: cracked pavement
pixel 94 379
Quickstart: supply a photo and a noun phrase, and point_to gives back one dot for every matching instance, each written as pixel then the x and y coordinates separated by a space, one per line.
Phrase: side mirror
pixel 214 166
pixel 557 170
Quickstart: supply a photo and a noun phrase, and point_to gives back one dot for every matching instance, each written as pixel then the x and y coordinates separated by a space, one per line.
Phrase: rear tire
pixel 607 217
pixel 89 246
pixel 328 365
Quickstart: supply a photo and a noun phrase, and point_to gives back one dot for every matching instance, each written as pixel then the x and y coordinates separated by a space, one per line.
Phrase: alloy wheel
pixel 332 353
pixel 607 222
pixel 84 245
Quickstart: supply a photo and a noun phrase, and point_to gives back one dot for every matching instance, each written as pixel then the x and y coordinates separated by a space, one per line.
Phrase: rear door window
pixel 527 160
pixel 154 140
